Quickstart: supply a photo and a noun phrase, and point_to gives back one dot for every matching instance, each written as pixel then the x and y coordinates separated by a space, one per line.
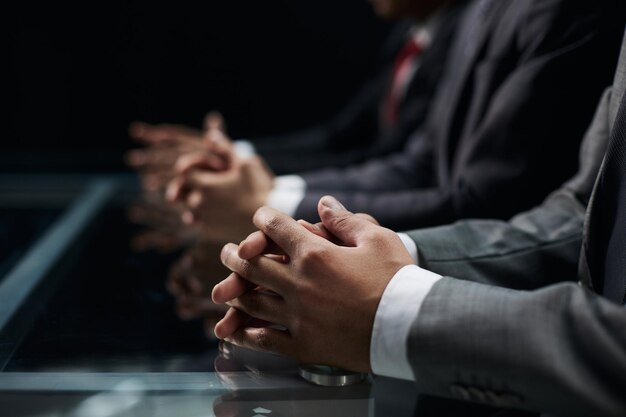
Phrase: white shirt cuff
pixel 287 194
pixel 244 149
pixel 398 308
pixel 410 246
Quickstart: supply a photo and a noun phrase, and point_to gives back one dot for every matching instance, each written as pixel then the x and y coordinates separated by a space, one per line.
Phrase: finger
pixel 346 226
pixel 163 133
pixel 287 233
pixel 201 179
pixel 176 284
pixel 321 231
pixel 189 162
pixel 137 130
pixel 153 239
pixel 175 189
pixel 233 320
pixel 221 157
pixel 152 158
pixel 217 137
pixel 194 200
pixel 155 180
pixel 261 270
pixel 262 305
pixel 231 287
pixel 214 120
pixel 317 229
pixel 257 244
pixel 136 158
pixel 195 285
pixel 264 339
pixel 188 218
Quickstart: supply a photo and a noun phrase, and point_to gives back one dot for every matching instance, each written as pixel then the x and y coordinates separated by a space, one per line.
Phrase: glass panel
pixel 112 313
pixel 19 228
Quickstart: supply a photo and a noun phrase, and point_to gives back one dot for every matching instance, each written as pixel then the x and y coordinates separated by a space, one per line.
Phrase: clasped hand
pixel 309 291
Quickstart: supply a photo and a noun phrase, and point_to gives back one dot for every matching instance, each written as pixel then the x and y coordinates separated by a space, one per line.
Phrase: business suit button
pixel 460 391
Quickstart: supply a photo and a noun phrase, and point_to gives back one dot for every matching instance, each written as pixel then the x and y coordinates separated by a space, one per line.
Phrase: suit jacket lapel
pixel 619 84
pixel 586 255
pixel 584 268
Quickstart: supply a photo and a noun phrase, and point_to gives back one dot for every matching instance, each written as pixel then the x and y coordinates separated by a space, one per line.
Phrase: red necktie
pixel 402 71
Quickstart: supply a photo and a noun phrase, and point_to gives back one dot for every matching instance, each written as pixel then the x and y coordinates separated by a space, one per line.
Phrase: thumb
pixel 214 120
pixel 343 224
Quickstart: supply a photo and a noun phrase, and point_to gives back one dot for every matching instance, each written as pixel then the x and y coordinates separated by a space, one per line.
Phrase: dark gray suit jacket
pixel 519 91
pixel 559 349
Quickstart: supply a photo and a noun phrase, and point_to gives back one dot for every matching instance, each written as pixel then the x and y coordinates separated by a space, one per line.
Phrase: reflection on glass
pixel 112 312
pixel 301 399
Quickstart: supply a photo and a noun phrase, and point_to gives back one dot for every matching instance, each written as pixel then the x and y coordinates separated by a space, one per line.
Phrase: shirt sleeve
pixel 410 246
pixel 287 194
pixel 244 148
pixel 399 305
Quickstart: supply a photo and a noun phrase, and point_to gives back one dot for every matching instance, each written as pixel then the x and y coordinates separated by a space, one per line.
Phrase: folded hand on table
pixel 313 299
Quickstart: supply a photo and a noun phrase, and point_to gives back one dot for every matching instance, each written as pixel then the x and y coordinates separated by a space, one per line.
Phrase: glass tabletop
pixel 89 327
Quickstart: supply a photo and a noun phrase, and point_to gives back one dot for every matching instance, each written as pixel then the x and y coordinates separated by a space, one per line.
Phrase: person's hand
pixel 324 295
pixel 191 280
pixel 258 243
pixel 222 203
pixel 166 143
pixel 164 230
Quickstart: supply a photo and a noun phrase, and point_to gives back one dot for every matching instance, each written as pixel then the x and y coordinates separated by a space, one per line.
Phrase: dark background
pixel 78 74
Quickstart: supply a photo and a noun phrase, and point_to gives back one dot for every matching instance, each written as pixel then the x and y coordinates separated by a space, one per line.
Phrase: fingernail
pixel 332 203
pixel 224 252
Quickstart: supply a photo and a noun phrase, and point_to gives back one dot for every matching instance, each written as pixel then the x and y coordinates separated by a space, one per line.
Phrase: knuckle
pixel 264 339
pixel 341 222
pixel 378 234
pixel 312 256
pixel 371 235
pixel 271 223
pixel 245 268
pixel 267 220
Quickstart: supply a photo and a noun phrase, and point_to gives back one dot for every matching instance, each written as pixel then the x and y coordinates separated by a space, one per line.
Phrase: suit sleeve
pixel 531 250
pixel 536 107
pixel 561 349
